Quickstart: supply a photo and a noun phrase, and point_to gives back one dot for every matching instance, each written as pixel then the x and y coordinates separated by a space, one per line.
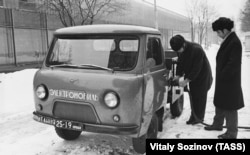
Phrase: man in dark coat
pixel 228 97
pixel 194 66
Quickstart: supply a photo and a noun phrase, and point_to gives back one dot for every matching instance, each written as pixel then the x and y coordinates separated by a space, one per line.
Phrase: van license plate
pixel 61 123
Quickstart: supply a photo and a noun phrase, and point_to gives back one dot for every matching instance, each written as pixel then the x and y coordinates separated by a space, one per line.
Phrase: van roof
pixel 106 29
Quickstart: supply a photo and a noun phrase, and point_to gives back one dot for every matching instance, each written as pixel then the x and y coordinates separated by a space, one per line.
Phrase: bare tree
pixel 245 17
pixel 200 14
pixel 82 12
pixel 191 10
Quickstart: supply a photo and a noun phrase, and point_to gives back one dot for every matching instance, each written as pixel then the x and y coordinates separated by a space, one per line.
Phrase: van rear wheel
pixel 176 108
pixel 67 134
pixel 139 143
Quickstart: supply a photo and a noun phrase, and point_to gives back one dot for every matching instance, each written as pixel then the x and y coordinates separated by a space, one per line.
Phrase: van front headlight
pixel 111 99
pixel 42 92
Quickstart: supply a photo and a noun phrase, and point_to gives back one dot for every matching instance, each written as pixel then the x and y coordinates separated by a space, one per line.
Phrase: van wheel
pixel 67 134
pixel 139 143
pixel 176 108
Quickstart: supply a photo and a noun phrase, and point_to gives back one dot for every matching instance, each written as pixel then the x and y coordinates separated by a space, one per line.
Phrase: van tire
pixel 176 108
pixel 67 134
pixel 139 143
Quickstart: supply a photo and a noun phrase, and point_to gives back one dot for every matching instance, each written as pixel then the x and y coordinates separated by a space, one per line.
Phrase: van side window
pixel 154 50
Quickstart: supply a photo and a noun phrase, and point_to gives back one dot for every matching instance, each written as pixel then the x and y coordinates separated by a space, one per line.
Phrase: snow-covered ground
pixel 21 135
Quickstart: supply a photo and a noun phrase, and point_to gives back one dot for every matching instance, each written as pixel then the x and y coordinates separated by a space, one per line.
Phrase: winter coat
pixel 228 92
pixel 193 63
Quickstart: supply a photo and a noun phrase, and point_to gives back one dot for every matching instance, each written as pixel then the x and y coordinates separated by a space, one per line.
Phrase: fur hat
pixel 222 23
pixel 176 42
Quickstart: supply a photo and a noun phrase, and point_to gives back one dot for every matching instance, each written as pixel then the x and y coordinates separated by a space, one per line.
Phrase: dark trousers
pixel 231 117
pixel 199 101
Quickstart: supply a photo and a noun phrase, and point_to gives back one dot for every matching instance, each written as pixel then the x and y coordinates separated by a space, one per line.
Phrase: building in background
pixel 25 33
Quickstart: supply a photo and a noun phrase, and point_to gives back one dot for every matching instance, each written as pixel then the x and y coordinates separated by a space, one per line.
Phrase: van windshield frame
pixel 118 53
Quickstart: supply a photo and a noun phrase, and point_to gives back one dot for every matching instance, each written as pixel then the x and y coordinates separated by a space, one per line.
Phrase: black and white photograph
pixel 104 77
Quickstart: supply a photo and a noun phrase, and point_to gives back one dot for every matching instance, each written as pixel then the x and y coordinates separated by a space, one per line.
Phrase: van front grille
pixel 77 112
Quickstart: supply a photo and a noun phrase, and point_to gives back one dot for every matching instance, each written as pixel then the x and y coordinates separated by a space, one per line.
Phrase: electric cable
pixel 200 121
pixel 175 83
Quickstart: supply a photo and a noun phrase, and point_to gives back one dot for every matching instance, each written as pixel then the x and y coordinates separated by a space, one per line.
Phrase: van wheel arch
pixel 139 143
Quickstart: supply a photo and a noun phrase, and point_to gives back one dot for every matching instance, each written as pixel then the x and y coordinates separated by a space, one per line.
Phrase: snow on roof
pixel 106 29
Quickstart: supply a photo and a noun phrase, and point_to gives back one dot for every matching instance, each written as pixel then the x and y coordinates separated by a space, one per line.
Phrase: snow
pixel 20 134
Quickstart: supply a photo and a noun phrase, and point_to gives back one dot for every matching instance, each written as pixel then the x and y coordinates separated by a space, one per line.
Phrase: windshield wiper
pixel 65 65
pixel 96 66
pixel 83 66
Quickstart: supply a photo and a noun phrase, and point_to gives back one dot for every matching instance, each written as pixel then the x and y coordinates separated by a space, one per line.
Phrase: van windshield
pixel 112 53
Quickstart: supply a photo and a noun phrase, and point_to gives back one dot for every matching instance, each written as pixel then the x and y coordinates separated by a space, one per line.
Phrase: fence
pixel 24 36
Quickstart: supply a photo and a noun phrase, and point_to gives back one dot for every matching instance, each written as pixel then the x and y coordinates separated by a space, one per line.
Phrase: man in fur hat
pixel 228 97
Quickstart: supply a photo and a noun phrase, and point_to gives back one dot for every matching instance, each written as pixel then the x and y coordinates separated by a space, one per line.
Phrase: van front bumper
pixel 79 126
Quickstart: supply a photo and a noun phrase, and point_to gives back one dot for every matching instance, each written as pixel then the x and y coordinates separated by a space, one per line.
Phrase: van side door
pixel 154 76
